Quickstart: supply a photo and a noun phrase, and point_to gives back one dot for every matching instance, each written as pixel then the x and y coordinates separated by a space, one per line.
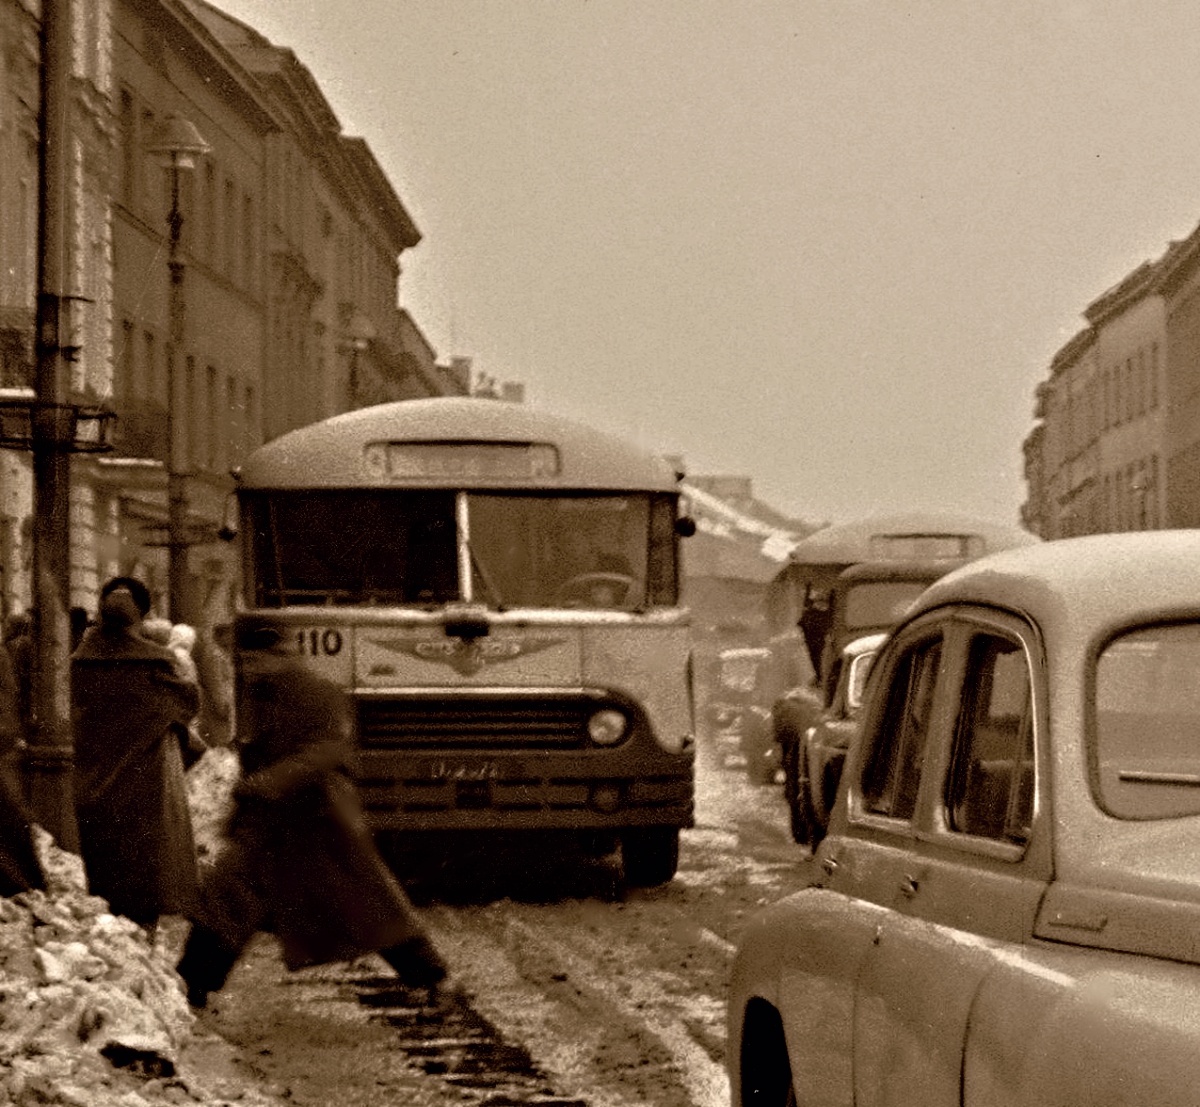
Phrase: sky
pixel 831 245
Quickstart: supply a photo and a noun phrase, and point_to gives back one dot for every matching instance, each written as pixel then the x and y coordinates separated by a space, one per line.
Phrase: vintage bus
pixel 497 590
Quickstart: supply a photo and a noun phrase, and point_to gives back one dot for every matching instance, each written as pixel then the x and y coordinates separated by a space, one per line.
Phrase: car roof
pixel 1082 583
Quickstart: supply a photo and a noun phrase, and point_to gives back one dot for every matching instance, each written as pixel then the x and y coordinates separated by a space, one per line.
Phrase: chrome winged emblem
pixel 467 657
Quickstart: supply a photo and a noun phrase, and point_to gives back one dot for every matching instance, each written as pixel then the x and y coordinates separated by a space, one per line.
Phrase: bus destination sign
pixel 461 461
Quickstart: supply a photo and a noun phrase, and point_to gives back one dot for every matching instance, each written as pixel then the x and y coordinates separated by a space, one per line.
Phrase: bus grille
pixel 486 725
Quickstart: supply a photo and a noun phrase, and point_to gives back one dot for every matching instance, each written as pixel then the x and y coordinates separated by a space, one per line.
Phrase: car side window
pixel 990 787
pixel 893 772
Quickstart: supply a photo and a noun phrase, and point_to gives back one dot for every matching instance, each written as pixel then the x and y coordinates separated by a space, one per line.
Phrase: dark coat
pixel 20 869
pixel 129 711
pixel 300 860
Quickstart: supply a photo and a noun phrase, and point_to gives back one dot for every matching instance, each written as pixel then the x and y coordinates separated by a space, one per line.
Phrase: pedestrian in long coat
pixel 20 869
pixel 300 860
pixel 128 710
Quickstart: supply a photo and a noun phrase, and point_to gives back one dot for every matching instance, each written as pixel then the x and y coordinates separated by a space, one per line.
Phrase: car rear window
pixel 1146 745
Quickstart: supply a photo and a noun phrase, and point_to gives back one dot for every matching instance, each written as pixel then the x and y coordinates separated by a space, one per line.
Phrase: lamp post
pixel 360 332
pixel 178 143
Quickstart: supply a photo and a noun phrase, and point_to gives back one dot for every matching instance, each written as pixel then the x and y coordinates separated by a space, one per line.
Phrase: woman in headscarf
pixel 128 710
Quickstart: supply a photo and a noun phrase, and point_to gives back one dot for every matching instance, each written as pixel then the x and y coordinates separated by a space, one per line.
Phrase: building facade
pixel 227 293
pixel 1116 442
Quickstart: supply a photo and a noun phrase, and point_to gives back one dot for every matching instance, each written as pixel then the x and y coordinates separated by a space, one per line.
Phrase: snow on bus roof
pixel 454 442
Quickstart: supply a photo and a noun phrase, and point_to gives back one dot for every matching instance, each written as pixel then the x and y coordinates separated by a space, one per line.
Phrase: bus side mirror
pixel 685 526
pixel 228 530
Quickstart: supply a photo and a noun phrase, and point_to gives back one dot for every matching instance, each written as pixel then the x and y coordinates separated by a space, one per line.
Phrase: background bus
pixel 497 590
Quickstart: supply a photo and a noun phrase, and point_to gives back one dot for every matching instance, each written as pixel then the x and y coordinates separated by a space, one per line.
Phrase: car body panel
pixel 954 950
pixel 809 979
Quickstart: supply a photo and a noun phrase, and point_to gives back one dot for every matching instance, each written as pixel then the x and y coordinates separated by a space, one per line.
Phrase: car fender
pixel 1069 1031
pixel 802 956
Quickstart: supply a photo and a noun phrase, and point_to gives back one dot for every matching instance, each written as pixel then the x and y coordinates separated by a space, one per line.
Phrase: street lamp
pixel 360 333
pixel 177 141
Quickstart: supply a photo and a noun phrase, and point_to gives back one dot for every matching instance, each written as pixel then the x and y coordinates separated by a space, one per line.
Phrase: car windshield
pixel 1146 748
pixel 352 547
pixel 881 603
pixel 607 551
pixel 401 547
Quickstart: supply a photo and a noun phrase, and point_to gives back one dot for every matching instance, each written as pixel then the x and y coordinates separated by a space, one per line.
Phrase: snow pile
pixel 82 994
pixel 210 798
pixel 92 1014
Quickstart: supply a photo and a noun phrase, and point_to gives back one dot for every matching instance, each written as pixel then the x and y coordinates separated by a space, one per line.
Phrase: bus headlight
pixel 607 727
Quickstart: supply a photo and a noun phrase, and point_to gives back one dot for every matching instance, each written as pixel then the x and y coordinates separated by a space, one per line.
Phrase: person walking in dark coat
pixel 128 710
pixel 299 860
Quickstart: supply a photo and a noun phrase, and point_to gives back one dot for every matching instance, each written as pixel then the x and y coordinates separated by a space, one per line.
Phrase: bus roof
pixel 454 442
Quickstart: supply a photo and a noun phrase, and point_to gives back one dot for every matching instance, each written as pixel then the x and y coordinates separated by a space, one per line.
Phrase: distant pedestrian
pixel 18 640
pixel 20 869
pixel 299 859
pixel 129 711
pixel 80 620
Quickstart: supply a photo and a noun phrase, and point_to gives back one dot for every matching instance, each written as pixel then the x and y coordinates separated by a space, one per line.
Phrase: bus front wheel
pixel 650 855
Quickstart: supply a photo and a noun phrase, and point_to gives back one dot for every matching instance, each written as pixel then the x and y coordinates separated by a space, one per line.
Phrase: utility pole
pixel 50 752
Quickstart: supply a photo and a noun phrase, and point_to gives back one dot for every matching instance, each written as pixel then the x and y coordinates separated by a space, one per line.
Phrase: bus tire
pixel 650 855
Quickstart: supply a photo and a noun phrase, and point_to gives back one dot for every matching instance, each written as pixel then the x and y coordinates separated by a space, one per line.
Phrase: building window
pixel 233 420
pixel 210 211
pixel 127 360
pixel 1153 376
pixel 148 385
pixel 148 182
pixel 248 242
pixel 249 421
pixel 211 431
pixel 127 130
pixel 229 219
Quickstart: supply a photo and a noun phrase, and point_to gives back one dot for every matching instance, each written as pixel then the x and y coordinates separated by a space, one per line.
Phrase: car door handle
pixel 829 865
pixel 909 886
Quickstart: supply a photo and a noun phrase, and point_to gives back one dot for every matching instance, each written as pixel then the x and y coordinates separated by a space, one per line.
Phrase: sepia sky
pixel 829 244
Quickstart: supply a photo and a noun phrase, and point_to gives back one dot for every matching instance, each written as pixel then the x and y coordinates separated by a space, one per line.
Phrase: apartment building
pixel 230 288
pixel 1116 442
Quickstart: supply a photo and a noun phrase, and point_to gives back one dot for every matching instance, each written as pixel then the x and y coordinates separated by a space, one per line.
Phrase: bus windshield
pixel 400 547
